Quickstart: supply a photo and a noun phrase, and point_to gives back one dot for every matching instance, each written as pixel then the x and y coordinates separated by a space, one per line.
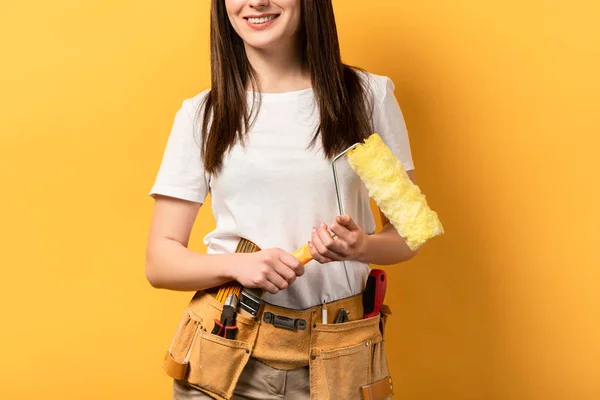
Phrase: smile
pixel 259 22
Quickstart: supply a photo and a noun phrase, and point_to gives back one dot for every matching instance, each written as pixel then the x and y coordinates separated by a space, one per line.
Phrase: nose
pixel 258 3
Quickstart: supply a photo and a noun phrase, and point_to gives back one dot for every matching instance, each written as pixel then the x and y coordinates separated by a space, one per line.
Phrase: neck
pixel 279 70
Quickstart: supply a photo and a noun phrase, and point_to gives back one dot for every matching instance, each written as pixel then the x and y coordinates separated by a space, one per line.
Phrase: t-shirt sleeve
pixel 389 123
pixel 181 173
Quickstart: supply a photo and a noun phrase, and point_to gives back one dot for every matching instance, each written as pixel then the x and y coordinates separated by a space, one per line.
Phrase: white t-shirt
pixel 273 190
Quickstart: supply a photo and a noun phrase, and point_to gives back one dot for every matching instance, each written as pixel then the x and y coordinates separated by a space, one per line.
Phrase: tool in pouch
pixel 225 327
pixel 373 296
pixel 228 295
pixel 249 303
pixel 374 293
pixel 342 316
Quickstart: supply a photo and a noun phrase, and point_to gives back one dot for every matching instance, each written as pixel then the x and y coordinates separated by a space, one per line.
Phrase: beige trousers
pixel 258 381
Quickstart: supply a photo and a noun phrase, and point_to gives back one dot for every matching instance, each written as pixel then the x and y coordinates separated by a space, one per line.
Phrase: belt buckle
pixel 284 322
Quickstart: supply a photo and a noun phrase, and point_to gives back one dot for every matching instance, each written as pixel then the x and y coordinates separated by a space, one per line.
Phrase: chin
pixel 263 43
pixel 263 40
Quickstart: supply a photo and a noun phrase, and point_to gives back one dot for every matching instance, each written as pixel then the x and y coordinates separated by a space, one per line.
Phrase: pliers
pixel 226 326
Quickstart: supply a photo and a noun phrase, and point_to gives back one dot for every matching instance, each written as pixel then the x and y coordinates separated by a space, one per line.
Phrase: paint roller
pixel 387 182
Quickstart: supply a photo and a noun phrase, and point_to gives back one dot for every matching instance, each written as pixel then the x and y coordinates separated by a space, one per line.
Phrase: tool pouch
pixel 205 361
pixel 348 361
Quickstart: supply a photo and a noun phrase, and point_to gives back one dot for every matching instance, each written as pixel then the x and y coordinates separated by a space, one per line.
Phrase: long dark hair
pixel 341 94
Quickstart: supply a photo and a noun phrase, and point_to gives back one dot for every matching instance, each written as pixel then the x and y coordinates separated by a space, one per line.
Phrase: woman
pixel 261 141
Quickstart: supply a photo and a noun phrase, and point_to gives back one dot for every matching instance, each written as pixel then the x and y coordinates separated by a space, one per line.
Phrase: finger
pixel 347 221
pixel 269 287
pixel 277 280
pixel 340 230
pixel 343 240
pixel 321 240
pixel 315 245
pixel 325 235
pixel 293 263
pixel 318 244
pixel 334 245
pixel 316 255
pixel 285 272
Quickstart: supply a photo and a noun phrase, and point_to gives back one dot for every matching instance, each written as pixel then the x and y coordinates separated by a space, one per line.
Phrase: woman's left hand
pixel 343 240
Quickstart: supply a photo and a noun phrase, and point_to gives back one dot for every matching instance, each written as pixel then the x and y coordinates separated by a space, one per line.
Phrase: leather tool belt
pixel 347 360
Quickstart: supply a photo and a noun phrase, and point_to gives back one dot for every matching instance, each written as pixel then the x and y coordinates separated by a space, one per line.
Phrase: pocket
pixel 329 336
pixel 379 366
pixel 216 363
pixel 176 361
pixel 340 374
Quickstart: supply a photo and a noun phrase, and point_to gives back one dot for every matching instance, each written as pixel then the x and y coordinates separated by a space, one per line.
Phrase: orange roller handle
pixel 303 254
pixel 244 246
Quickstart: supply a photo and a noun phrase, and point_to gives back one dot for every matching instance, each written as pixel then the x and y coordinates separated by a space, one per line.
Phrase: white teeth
pixel 260 20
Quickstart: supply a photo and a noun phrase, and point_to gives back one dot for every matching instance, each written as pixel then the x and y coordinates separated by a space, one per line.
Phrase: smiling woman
pixel 281 17
pixel 281 105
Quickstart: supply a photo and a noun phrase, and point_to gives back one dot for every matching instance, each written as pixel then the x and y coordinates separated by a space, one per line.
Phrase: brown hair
pixel 341 94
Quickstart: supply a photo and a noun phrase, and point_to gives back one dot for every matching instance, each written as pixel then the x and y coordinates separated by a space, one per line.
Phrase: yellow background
pixel 500 98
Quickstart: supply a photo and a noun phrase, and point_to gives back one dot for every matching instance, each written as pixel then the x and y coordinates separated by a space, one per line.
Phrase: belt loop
pixel 284 322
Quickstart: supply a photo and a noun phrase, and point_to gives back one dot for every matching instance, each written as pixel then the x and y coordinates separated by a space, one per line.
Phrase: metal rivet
pixel 314 311
pixel 367 343
pixel 314 325
pixel 313 357
pixel 247 351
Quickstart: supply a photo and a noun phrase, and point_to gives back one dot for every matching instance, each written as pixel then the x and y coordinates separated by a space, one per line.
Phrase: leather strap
pixel 379 390
pixel 174 369
pixel 385 311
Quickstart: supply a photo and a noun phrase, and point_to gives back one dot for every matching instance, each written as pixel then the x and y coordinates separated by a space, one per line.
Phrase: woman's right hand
pixel 271 269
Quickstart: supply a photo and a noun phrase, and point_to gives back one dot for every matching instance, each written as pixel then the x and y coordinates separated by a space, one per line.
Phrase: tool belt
pixel 347 360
